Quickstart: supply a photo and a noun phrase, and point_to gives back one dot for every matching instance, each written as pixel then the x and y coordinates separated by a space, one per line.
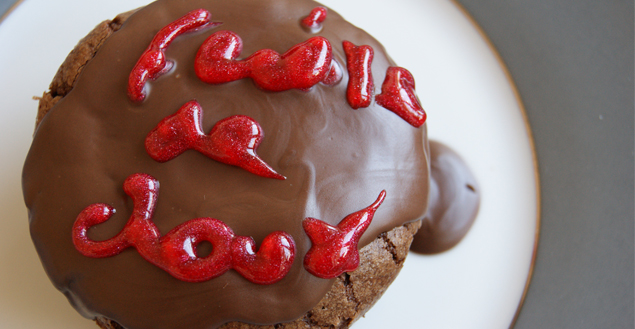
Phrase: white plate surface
pixel 471 106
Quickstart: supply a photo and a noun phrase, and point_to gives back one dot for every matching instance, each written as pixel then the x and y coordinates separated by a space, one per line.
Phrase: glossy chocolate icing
pixel 336 161
pixel 453 202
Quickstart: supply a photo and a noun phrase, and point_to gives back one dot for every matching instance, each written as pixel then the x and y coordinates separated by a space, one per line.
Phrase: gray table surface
pixel 572 61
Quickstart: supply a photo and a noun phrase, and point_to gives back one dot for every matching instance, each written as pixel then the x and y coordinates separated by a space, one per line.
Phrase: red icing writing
pixel 315 19
pixel 153 63
pixel 398 95
pixel 360 90
pixel 334 250
pixel 232 141
pixel 175 252
pixel 301 67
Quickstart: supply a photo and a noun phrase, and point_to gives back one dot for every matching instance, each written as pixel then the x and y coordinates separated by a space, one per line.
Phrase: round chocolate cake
pixel 207 163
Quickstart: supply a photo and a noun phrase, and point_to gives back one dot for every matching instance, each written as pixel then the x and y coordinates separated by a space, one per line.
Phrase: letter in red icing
pixel 301 67
pixel 232 141
pixel 334 250
pixel 272 262
pixel 360 90
pixel 315 19
pixel 143 191
pixel 175 252
pixel 398 95
pixel 152 63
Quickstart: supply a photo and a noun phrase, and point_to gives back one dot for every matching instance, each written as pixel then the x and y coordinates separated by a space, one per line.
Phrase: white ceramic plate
pixel 471 104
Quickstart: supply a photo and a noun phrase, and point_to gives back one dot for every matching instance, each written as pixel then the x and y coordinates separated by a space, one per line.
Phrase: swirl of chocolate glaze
pixel 335 160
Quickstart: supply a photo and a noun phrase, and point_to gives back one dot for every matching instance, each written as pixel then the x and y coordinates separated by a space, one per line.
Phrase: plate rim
pixel 10 10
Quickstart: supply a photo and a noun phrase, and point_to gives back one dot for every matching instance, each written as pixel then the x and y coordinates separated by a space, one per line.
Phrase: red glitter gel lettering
pixel 152 63
pixel 334 250
pixel 232 141
pixel 398 95
pixel 270 263
pixel 360 90
pixel 315 19
pixel 301 67
pixel 175 252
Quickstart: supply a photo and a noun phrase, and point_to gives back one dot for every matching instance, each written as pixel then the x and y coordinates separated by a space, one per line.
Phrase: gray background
pixel 572 61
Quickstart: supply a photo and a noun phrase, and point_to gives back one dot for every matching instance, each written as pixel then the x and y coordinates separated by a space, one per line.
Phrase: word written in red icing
pixel 360 90
pixel 334 250
pixel 315 19
pixel 153 63
pixel 301 67
pixel 175 252
pixel 398 95
pixel 232 141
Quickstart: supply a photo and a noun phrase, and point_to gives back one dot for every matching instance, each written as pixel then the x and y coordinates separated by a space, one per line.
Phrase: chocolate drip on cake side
pixel 454 201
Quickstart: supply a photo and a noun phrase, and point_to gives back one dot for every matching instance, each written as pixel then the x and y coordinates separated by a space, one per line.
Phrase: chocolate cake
pixel 210 163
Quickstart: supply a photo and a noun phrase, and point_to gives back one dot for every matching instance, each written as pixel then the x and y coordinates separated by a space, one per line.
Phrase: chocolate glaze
pixel 336 161
pixel 453 202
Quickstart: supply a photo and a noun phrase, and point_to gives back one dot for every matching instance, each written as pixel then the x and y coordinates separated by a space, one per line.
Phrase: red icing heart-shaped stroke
pixel 232 141
pixel 398 95
pixel 175 252
pixel 153 63
pixel 360 89
pixel 301 67
pixel 334 248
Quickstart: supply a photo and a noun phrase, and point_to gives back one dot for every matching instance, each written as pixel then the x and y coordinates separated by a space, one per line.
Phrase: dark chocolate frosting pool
pixel 336 160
